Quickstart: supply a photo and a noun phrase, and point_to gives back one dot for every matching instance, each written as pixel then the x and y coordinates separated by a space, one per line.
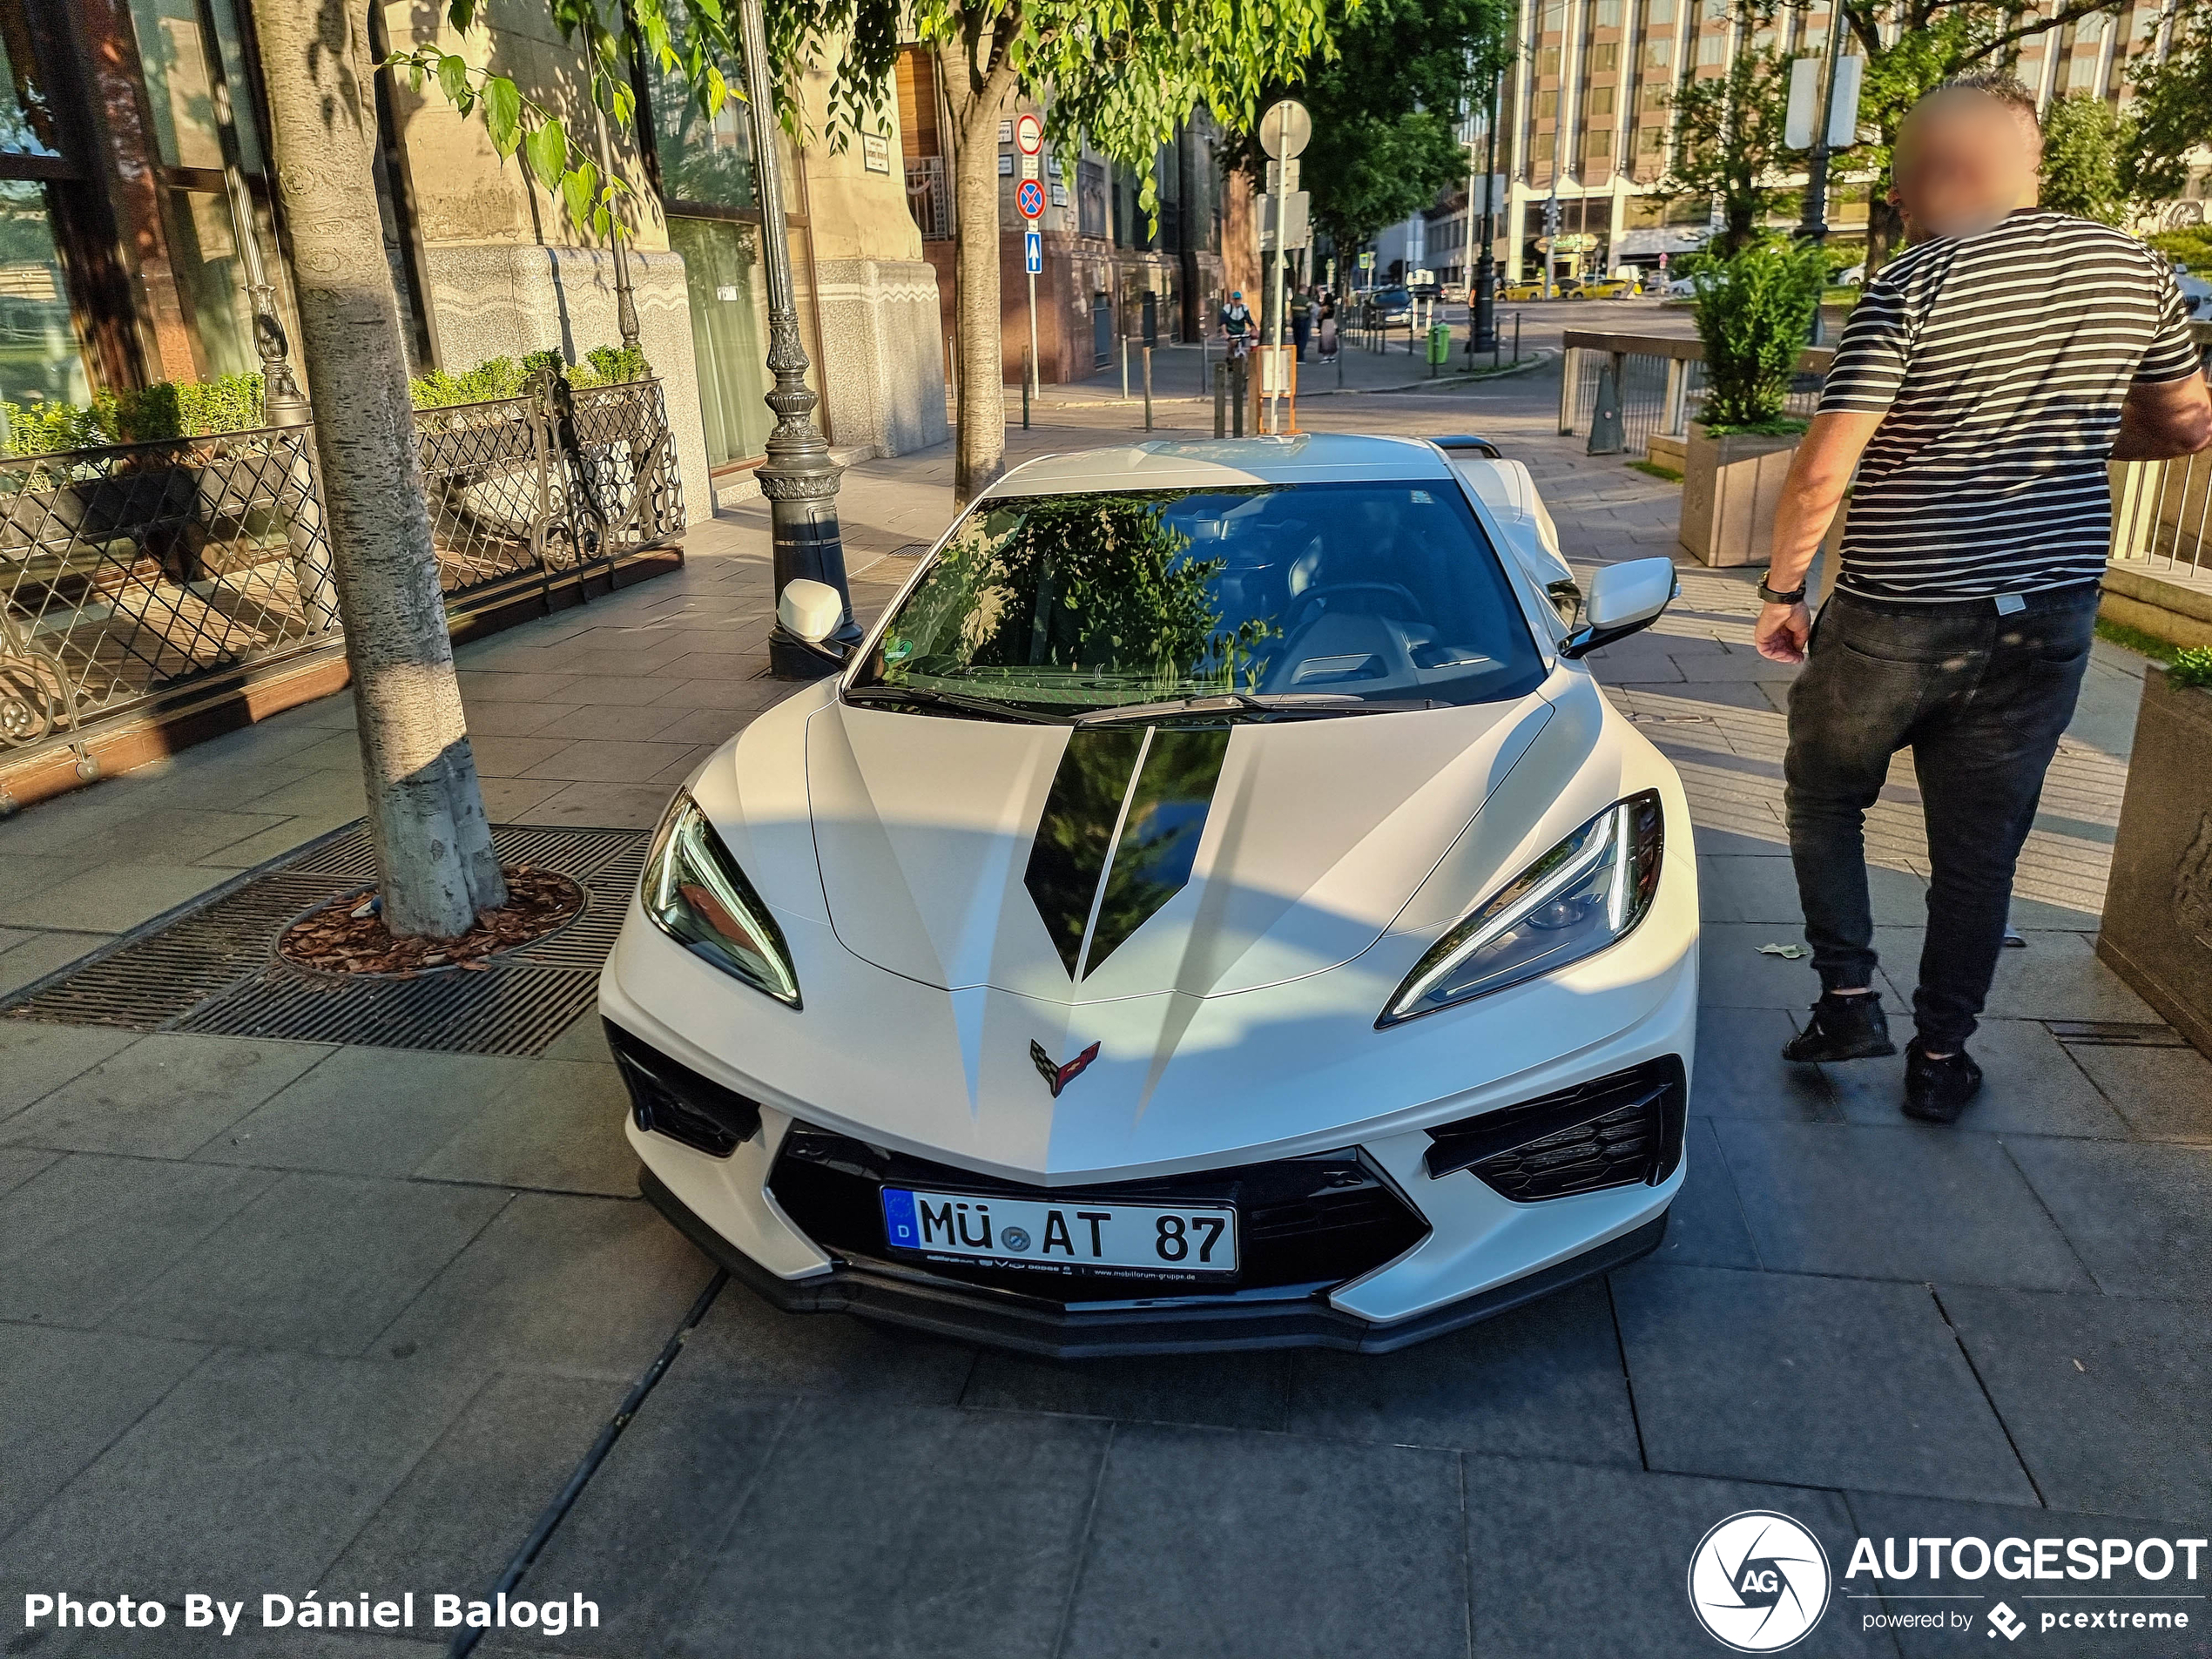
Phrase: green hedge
pixel 233 402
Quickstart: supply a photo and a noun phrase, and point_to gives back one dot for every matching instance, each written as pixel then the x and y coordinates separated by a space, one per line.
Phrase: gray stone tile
pixel 582 1287
pixel 507 799
pixel 64 1395
pixel 2140 1216
pixel 1537 1532
pixel 165 1097
pixel 1740 1071
pixel 2031 1088
pixel 319 1262
pixel 171 835
pixel 514 757
pixel 288 835
pixel 1911 1203
pixel 1732 972
pixel 2164 1093
pixel 35 1058
pixel 615 688
pixel 481 685
pixel 1808 1382
pixel 325 798
pixel 365 1112
pixel 1544 1381
pixel 86 1234
pixel 746 1344
pixel 2057 977
pixel 697 725
pixel 110 899
pixel 457 1519
pixel 606 761
pixel 558 1126
pixel 600 807
pixel 726 695
pixel 2103 1395
pixel 254 1471
pixel 43 954
pixel 1735 887
pixel 586 1039
pixel 617 722
pixel 25 871
pixel 19 1163
pixel 498 717
pixel 1224 1391
pixel 1705 1225
pixel 640 1538
pixel 1283 1546
pixel 1882 1518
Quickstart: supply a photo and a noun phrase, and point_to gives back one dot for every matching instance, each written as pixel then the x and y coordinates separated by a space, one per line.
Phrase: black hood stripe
pixel 1160 833
pixel 1075 836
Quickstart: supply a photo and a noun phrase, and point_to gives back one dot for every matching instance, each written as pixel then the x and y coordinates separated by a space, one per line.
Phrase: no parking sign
pixel 1030 199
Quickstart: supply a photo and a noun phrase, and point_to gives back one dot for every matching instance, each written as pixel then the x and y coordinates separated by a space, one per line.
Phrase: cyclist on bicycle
pixel 1238 323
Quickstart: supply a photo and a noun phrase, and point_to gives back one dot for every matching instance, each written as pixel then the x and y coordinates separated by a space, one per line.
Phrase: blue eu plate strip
pixel 899 1223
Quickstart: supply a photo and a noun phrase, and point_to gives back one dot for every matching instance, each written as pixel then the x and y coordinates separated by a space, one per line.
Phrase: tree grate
pixel 214 970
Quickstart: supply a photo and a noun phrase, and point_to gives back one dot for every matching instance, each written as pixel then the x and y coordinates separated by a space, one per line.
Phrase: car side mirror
pixel 1623 599
pixel 810 610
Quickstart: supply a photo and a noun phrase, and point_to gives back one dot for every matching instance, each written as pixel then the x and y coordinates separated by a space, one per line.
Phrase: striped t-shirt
pixel 2001 362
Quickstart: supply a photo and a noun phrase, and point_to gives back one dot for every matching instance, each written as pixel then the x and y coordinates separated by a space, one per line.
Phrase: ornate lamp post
pixel 1484 300
pixel 798 478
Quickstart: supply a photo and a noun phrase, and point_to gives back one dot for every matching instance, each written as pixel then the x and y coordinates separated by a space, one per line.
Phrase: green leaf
pixel 453 77
pixel 503 114
pixel 601 222
pixel 548 151
pixel 578 186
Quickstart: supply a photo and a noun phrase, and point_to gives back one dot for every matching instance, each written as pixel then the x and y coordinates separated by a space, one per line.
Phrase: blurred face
pixel 1964 161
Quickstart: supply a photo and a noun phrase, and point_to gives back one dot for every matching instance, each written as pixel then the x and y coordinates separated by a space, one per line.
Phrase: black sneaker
pixel 1843 1028
pixel 1936 1091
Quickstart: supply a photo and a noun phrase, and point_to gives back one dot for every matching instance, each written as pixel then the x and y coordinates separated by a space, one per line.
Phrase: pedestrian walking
pixel 1301 322
pixel 1983 381
pixel 1326 339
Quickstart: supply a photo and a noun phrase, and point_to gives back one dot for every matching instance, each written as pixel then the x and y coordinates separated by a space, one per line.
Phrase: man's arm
pixel 2164 420
pixel 1819 473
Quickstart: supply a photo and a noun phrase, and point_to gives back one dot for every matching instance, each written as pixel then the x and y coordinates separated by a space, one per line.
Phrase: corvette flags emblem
pixel 1058 1078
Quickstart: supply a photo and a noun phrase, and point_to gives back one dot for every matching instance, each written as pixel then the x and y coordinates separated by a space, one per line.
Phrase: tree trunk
pixel 1885 230
pixel 436 867
pixel 980 457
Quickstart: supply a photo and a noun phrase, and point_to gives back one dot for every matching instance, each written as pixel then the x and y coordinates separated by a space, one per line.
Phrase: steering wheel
pixel 1322 590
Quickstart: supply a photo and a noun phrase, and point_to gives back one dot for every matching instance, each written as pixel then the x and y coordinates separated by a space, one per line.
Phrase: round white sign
pixel 1758 1581
pixel 1028 133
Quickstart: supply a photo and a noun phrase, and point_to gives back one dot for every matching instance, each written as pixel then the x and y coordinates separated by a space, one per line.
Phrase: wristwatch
pixel 1797 597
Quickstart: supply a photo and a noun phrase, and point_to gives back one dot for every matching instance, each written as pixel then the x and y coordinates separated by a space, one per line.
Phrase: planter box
pixel 1663 450
pixel 2157 933
pixel 1730 488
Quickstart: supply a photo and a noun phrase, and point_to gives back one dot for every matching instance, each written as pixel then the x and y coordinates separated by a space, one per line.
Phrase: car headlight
pixel 1591 889
pixel 696 894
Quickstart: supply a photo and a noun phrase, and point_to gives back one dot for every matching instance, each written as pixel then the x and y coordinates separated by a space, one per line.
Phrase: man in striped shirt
pixel 1984 380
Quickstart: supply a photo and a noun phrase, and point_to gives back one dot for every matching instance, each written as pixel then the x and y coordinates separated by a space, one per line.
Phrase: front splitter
pixel 945 1307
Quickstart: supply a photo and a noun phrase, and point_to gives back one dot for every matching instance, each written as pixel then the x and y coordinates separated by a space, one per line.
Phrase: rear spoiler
pixel 1469 441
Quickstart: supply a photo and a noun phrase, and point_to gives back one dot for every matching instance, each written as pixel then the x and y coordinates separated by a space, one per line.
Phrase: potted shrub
pixel 1755 312
pixel 2157 931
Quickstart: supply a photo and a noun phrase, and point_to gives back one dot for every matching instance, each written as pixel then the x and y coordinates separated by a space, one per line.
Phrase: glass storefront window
pixel 40 361
pixel 26 122
pixel 203 246
pixel 181 89
pixel 729 307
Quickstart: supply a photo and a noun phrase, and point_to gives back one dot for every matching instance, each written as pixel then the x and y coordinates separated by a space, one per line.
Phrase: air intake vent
pixel 1621 1131
pixel 669 1098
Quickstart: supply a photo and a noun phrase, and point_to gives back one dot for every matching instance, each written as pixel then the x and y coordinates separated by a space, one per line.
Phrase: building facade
pixel 122 263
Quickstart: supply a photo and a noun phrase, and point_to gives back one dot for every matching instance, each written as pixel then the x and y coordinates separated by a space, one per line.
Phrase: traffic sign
pixel 1029 166
pixel 1286 129
pixel 1033 251
pixel 1368 259
pixel 1029 134
pixel 1030 199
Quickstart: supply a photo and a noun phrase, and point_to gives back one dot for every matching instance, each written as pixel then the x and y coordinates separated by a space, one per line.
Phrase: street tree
pixel 1383 99
pixel 1727 145
pixel 2081 138
pixel 435 864
pixel 2172 114
pixel 1123 74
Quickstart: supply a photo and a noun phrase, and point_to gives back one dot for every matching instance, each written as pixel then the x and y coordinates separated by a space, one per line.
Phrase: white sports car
pixel 1213 906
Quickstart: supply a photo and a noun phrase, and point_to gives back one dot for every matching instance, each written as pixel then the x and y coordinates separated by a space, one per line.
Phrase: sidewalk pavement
pixel 279 1315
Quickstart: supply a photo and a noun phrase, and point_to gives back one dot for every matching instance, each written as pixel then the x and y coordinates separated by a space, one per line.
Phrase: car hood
pixel 1082 864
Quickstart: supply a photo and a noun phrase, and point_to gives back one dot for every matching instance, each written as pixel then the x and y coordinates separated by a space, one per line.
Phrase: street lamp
pixel 1814 226
pixel 1486 265
pixel 798 478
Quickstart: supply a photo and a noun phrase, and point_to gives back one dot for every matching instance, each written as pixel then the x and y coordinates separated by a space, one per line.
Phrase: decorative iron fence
pixel 131 571
pixel 1662 380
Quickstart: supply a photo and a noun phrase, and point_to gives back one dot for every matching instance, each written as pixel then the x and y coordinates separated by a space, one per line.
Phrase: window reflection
pixel 26 122
pixel 40 361
pixel 180 87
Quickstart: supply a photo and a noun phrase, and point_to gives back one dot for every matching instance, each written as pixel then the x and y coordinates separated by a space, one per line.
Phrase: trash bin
pixel 1439 345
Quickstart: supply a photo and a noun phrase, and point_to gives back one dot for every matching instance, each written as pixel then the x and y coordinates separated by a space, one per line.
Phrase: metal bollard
pixel 1221 399
pixel 1025 391
pixel 1516 336
pixel 1147 388
pixel 1240 374
pixel 1125 368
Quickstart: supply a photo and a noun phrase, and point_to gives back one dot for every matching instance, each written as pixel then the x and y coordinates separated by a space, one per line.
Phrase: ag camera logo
pixel 1758 1581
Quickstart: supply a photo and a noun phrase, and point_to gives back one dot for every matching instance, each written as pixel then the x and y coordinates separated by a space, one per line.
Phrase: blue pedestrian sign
pixel 1033 251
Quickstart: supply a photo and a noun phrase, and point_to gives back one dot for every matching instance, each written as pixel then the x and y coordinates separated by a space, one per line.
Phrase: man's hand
pixel 1781 632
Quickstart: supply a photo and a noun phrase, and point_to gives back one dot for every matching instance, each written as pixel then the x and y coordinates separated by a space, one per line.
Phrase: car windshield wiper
pixel 1262 706
pixel 929 698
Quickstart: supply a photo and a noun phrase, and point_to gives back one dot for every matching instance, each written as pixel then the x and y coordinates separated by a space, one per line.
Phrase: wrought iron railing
pixel 929 196
pixel 1661 382
pixel 131 571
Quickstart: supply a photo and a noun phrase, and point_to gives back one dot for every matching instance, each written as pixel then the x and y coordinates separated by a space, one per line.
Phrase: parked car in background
pixel 1387 308
pixel 2197 293
pixel 1453 294
pixel 1618 287
pixel 1683 288
pixel 1520 291
pixel 1855 277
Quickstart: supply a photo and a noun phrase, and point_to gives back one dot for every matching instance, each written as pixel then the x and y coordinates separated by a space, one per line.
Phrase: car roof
pixel 1305 458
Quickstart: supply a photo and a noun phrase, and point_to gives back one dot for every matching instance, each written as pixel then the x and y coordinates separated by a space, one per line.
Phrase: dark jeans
pixel 1982 700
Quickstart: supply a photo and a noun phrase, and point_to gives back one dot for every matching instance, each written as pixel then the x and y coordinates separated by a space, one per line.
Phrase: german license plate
pixel 1080 1236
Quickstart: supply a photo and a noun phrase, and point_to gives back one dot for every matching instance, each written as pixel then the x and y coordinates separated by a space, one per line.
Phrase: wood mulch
pixel 335 940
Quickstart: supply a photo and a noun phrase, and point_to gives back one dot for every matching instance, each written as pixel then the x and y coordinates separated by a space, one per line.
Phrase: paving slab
pixel 112 897
pixel 318 1262
pixel 1733 973
pixel 1740 1071
pixel 2163 1094
pixel 254 1471
pixel 599 806
pixel 1569 1561
pixel 163 1096
pixel 2140 1216
pixel 37 1058
pixel 1733 887
pixel 19 1163
pixel 2031 1086
pixel 2057 977
pixel 1807 1382
pixel 746 1344
pixel 554 1126
pixel 969 1524
pixel 89 1232
pixel 365 1112
pixel 64 1397
pixel 1544 1381
pixel 1913 1203
pixel 1705 1224
pixel 42 953
pixel 577 1286
pixel 1223 1391
pixel 1283 1546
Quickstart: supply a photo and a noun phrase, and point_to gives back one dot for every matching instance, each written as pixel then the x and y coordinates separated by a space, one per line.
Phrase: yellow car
pixel 1520 291
pixel 1606 289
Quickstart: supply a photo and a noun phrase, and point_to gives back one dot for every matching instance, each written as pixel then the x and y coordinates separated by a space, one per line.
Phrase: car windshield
pixel 1392 297
pixel 1269 600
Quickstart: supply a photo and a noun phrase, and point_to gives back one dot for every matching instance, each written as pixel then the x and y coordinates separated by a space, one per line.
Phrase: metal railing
pixel 929 198
pixel 130 571
pixel 2161 515
pixel 1661 383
